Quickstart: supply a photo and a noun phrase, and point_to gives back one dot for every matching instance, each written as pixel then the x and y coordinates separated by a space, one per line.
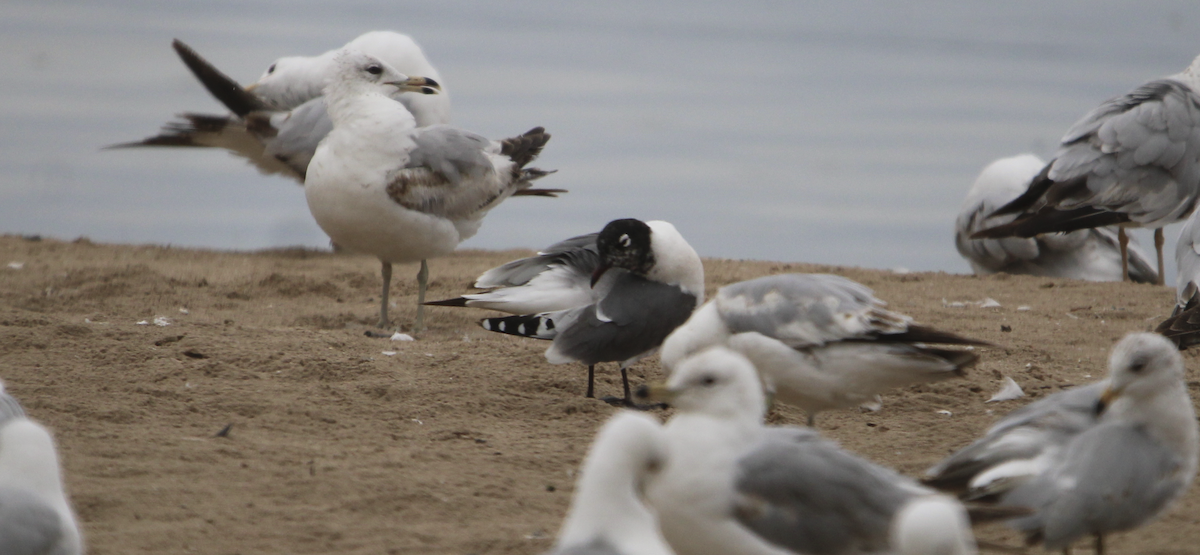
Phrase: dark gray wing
pixel 1114 477
pixel 28 526
pixel 1023 434
pixel 634 317
pixel 577 253
pixel 805 494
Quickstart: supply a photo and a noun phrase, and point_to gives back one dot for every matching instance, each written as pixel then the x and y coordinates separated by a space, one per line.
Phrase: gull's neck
pixel 1190 76
pixel 1169 417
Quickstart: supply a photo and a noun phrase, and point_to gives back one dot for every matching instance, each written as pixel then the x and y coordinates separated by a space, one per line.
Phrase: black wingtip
pixel 553 193
pixel 459 301
pixel 225 89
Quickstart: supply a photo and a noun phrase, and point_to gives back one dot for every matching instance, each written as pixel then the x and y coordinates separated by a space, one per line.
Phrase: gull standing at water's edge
pixel 380 185
pixel 1088 254
pixel 819 341
pixel 612 296
pixel 1132 161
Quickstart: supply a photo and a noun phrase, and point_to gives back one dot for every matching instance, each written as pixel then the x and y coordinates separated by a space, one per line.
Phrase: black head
pixel 626 244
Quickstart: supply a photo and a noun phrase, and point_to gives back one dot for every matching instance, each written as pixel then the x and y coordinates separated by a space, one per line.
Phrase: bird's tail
pixel 522 149
pixel 193 131
pixel 538 326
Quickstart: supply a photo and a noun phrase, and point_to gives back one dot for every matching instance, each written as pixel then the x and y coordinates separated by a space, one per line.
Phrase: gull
pixel 608 515
pixel 1088 254
pixel 819 341
pixel 657 281
pixel 732 485
pixel 1132 161
pixel 1113 470
pixel 1183 326
pixel 380 185
pixel 278 121
pixel 35 516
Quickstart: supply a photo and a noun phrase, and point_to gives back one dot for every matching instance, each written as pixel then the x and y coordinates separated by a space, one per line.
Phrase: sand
pixel 461 442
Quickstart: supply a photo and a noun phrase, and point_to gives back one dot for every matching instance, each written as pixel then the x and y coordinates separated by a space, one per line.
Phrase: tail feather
pixel 538 326
pixel 522 149
pixel 1050 220
pixel 181 133
pixel 539 192
pixel 225 89
pixel 1037 187
pixel 924 334
pixel 457 301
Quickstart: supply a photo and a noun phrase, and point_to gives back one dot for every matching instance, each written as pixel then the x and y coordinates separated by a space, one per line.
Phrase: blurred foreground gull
pixel 35 516
pixel 1133 161
pixel 1091 475
pixel 819 341
pixel 732 485
pixel 607 297
pixel 1089 254
pixel 380 185
pixel 607 514
pixel 1183 326
pixel 278 121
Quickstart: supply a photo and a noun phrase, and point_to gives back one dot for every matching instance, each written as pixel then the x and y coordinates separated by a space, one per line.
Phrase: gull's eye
pixel 624 240
pixel 374 69
pixel 1137 367
pixel 271 69
pixel 709 380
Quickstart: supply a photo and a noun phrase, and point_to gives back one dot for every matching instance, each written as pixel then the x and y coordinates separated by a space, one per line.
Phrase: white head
pixel 718 382
pixel 356 70
pixel 293 80
pixel 932 525
pixel 1141 366
pixel 1005 179
pixel 628 450
pixel 678 262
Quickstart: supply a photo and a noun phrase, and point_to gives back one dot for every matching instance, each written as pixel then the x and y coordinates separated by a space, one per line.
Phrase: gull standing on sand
pixel 819 341
pixel 278 121
pixel 732 485
pixel 380 185
pixel 1118 473
pixel 35 516
pixel 1088 254
pixel 1133 161
pixel 608 515
pixel 607 297
pixel 1183 326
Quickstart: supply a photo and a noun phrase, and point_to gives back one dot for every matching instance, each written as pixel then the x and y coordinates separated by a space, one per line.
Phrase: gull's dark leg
pixel 422 284
pixel 386 272
pixel 812 419
pixel 1158 245
pixel 1123 242
pixel 625 385
pixel 591 392
pixel 1099 544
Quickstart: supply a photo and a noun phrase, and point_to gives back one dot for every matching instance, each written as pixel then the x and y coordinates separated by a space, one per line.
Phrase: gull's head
pixel 624 244
pixel 1141 365
pixel 717 381
pixel 291 81
pixel 354 66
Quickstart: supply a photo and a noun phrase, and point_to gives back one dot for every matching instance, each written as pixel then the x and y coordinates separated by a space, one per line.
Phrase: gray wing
pixel 579 254
pixel 10 408
pixel 805 494
pixel 1114 477
pixel 292 137
pixel 1187 260
pixel 806 309
pixel 634 317
pixel 28 526
pixel 449 174
pixel 1136 154
pixel 596 547
pixel 1024 434
pixel 454 153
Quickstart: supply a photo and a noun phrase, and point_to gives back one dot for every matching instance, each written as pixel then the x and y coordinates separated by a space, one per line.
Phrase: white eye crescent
pixel 624 240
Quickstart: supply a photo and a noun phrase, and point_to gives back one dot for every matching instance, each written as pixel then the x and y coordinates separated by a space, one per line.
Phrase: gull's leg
pixel 386 272
pixel 1158 245
pixel 1123 241
pixel 627 401
pixel 1100 543
pixel 591 392
pixel 625 385
pixel 422 284
pixel 812 419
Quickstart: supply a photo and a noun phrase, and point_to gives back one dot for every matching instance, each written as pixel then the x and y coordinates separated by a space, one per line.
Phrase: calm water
pixel 835 132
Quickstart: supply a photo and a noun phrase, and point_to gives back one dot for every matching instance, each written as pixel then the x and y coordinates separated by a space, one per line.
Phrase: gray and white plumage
pixel 819 341
pixel 1183 326
pixel 1088 254
pixel 608 515
pixel 280 135
pixel 1134 160
pixel 1122 470
pixel 35 515
pixel 732 485
pixel 380 185
pixel 657 281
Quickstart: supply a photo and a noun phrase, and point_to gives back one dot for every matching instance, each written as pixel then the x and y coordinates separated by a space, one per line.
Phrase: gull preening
pixel 608 297
pixel 278 121
pixel 819 341
pixel 1094 460
pixel 732 485
pixel 608 515
pixel 379 185
pixel 1088 254
pixel 1133 161
pixel 35 515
